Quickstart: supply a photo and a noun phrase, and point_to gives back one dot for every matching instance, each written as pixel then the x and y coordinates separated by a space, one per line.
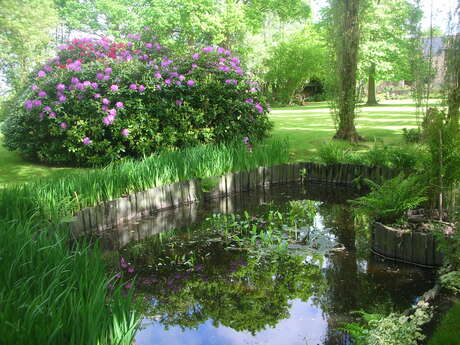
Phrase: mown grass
pixel 14 169
pixel 52 293
pixel 307 127
pixel 448 331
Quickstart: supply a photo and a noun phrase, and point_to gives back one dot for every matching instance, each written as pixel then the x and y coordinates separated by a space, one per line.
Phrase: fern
pixel 389 202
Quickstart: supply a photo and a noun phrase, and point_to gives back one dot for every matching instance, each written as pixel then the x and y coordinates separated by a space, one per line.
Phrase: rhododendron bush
pixel 99 100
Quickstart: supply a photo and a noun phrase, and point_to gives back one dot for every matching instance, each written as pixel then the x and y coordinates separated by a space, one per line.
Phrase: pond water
pixel 196 288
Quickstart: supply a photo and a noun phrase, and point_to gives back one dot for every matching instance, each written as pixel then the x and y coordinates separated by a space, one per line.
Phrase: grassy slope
pixel 305 127
pixel 308 126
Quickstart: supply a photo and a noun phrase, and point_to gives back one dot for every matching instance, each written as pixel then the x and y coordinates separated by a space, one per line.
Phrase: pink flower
pixel 141 88
pixel 36 103
pixel 125 132
pixel 108 70
pixel 97 95
pixel 157 75
pixel 62 98
pixel 195 56
pixel 74 80
pixel 47 109
pixel 86 141
pixel 105 101
pixel 108 120
pixel 87 83
pixel 149 45
pixel 94 85
pixel 123 263
pixel 100 76
pixel 28 104
pixel 119 105
pixel 191 83
pixel 133 87
pixel 60 87
pixel 220 50
pixel 128 286
pixel 52 115
pixel 181 77
pixel 168 81
pixel 63 125
pixel 112 112
pixel 114 88
pixel 42 94
pixel 259 108
pixel 34 87
pixel 179 102
pixel 106 77
pixel 249 100
pixel 41 74
pixel 131 270
pixel 178 83
pixel 208 49
pixel 194 65
pixel 47 68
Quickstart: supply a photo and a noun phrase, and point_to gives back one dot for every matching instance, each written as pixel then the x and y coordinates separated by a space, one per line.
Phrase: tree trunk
pixel 371 99
pixel 347 44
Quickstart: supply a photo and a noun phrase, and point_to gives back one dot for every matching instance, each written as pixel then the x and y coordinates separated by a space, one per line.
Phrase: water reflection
pixel 236 297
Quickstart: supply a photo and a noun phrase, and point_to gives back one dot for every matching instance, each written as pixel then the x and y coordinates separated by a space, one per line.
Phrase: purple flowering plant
pixel 79 108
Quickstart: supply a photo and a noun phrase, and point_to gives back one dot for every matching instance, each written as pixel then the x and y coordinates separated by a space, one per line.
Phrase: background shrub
pixel 98 101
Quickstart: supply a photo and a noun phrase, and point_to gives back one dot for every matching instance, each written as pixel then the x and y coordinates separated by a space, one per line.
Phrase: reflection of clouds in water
pixel 305 326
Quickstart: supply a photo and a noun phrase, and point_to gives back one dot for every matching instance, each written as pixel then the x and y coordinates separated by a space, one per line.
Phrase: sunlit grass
pixel 307 127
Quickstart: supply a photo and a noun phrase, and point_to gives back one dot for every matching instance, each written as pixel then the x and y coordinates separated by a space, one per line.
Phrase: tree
pixel 385 45
pixel 26 28
pixel 294 62
pixel 344 30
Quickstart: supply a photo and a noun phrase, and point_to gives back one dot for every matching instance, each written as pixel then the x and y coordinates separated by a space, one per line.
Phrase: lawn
pixel 305 126
pixel 14 169
pixel 309 126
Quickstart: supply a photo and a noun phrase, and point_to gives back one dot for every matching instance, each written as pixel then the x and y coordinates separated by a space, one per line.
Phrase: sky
pixel 441 9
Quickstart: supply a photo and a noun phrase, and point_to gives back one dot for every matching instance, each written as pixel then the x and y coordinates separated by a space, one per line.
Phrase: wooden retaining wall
pixel 405 246
pixel 114 212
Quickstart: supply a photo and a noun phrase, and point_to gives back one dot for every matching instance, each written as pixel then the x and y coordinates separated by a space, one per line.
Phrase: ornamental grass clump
pixel 98 101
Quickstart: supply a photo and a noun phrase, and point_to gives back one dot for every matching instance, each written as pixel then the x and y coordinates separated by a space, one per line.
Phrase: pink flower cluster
pixel 50 102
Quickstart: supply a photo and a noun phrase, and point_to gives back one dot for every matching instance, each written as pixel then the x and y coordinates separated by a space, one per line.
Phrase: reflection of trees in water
pixel 362 282
pixel 250 299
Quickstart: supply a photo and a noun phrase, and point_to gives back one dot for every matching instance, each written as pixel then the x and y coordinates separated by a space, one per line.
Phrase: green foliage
pixel 25 33
pixel 55 294
pixel 394 329
pixel 407 157
pixel 442 168
pixel 195 100
pixel 389 202
pixel 384 39
pixel 448 331
pixel 412 135
pixel 293 62
pixel 52 198
pixel 335 151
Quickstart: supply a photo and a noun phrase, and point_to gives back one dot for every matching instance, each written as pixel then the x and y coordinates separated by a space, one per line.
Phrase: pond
pixel 281 272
